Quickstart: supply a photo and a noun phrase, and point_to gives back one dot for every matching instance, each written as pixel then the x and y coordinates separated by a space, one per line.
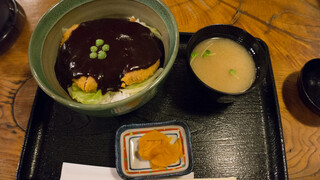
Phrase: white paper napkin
pixel 72 171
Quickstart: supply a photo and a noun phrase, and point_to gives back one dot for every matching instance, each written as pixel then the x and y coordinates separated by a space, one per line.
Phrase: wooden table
pixel 291 28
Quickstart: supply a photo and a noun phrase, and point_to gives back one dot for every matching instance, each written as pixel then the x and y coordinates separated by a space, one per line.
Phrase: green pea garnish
pixel 99 42
pixel 93 49
pixel 232 72
pixel 206 53
pixel 106 47
pixel 102 55
pixel 194 54
pixel 93 55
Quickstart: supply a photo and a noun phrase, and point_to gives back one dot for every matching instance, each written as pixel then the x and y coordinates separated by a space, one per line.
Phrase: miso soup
pixel 224 65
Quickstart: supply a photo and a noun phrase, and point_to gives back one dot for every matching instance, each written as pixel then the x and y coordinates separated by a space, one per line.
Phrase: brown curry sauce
pixel 132 47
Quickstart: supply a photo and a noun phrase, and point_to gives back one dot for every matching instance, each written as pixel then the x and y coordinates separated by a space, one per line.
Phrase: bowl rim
pixel 198 40
pixel 66 7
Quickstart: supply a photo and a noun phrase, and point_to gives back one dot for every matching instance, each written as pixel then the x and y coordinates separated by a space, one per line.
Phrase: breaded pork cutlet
pixel 89 84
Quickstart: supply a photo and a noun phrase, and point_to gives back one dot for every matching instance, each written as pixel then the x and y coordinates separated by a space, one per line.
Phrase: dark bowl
pixel 12 19
pixel 309 85
pixel 252 44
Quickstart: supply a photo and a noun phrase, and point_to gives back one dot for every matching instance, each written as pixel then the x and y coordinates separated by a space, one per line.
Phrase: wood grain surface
pixel 291 29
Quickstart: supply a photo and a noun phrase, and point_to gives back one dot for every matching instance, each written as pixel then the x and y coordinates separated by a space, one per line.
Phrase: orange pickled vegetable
pixel 156 147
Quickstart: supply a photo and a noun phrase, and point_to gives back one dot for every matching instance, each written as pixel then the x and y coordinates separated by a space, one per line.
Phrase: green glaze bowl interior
pixel 44 45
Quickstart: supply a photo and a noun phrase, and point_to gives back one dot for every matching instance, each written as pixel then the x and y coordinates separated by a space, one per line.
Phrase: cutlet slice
pixel 86 84
pixel 140 75
pixel 67 33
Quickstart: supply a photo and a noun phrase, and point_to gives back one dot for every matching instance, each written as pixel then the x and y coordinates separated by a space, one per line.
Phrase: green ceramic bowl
pixel 46 37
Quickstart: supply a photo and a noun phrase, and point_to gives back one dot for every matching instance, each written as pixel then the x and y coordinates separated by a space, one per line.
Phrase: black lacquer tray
pixel 243 139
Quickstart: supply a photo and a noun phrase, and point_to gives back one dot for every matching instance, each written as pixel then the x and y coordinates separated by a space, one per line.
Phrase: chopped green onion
pixel 99 42
pixel 194 54
pixel 102 55
pixel 106 47
pixel 206 53
pixel 232 72
pixel 93 55
pixel 93 49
